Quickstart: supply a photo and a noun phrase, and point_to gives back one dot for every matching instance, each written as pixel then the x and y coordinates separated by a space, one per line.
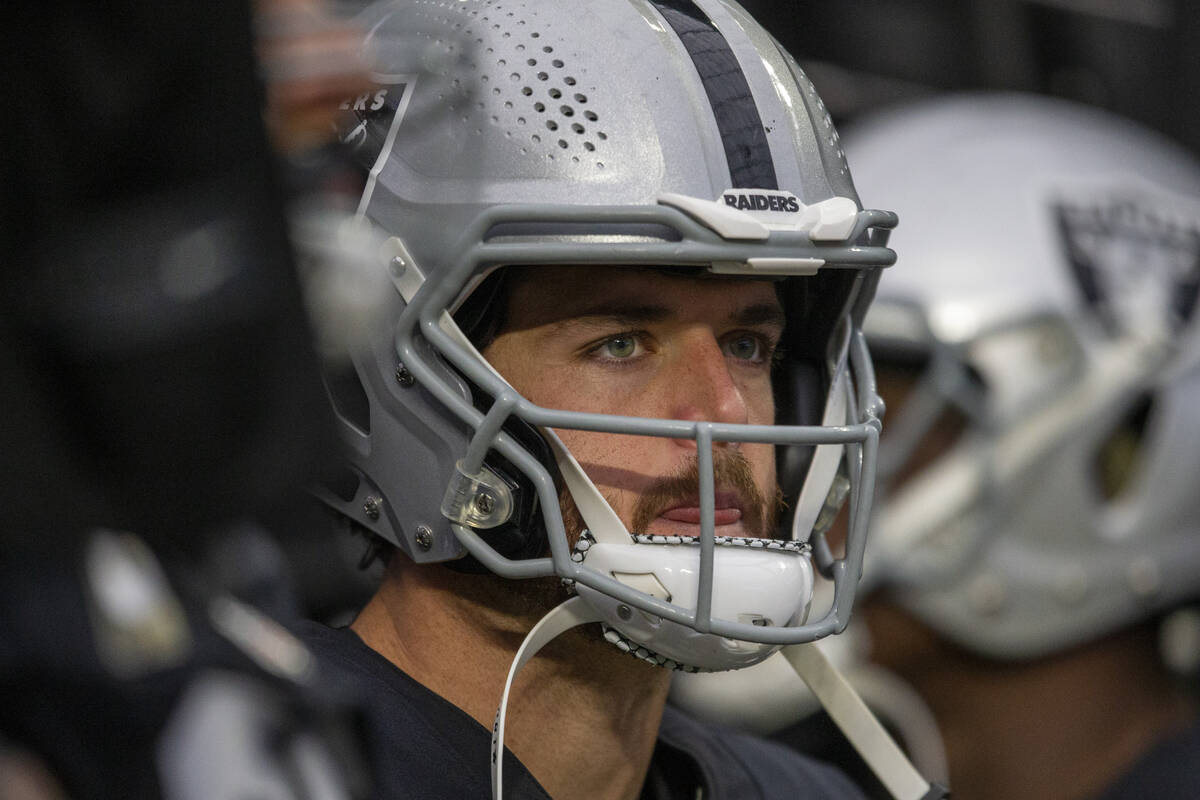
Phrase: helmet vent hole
pixel 590 115
pixel 589 146
pixel 525 52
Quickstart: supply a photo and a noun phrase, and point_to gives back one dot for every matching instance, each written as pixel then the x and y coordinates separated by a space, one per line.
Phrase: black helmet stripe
pixel 738 120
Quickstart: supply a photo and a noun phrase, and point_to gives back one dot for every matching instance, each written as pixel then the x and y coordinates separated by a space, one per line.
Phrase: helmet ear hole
pixel 1119 456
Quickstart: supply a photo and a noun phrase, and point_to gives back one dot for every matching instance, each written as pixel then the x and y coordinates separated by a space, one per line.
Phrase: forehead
pixel 543 295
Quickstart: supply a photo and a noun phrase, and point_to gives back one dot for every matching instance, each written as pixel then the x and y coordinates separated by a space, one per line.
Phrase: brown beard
pixel 731 471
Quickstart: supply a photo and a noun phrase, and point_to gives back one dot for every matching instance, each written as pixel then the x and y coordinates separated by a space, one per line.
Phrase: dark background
pixel 1134 57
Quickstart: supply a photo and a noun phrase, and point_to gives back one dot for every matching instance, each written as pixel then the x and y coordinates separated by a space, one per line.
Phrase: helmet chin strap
pixel 599 518
pixel 569 614
pixel 827 458
pixel 868 737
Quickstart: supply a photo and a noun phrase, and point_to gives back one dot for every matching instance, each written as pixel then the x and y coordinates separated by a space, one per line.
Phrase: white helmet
pixel 1047 298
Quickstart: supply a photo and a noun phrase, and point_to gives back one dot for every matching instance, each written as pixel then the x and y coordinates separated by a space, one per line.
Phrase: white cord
pixel 561 618
pixel 866 734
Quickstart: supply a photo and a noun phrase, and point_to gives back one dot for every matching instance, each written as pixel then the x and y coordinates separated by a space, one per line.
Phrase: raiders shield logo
pixel 1135 255
pixel 368 123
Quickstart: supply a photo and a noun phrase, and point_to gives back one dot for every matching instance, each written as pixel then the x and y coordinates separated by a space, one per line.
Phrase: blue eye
pixel 745 348
pixel 620 346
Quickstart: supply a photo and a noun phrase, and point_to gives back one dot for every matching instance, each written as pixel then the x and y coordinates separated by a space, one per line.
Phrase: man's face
pixel 643 343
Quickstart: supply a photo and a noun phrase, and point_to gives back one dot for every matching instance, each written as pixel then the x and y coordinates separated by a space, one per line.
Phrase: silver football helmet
pixel 1047 304
pixel 640 133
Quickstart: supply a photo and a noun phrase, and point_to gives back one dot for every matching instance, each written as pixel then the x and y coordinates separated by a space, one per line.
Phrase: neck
pixel 1062 727
pixel 579 696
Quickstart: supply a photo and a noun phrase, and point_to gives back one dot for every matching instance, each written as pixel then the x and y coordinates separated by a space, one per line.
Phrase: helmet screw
pixel 371 506
pixel 424 537
pixel 404 377
pixel 485 503
pixel 624 612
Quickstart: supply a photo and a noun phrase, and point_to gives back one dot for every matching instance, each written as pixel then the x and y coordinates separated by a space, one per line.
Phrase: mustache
pixel 731 473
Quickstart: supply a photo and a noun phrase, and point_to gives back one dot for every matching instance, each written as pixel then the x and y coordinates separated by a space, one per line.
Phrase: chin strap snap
pixel 866 734
pixel 558 620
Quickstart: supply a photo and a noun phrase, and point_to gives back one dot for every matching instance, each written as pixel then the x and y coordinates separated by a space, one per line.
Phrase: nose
pixel 701 385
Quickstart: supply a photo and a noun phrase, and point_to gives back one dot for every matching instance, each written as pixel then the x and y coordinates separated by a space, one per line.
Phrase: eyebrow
pixel 633 313
pixel 759 314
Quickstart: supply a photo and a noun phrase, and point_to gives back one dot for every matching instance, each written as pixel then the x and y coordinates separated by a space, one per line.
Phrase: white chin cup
pixel 750 585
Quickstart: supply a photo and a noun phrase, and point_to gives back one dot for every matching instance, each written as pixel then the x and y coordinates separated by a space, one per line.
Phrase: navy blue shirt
pixel 422 746
pixel 1169 771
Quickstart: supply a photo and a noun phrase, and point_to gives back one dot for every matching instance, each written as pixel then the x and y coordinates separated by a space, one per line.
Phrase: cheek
pixel 621 467
pixel 622 462
pixel 590 447
pixel 571 388
pixel 760 402
pixel 762 463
